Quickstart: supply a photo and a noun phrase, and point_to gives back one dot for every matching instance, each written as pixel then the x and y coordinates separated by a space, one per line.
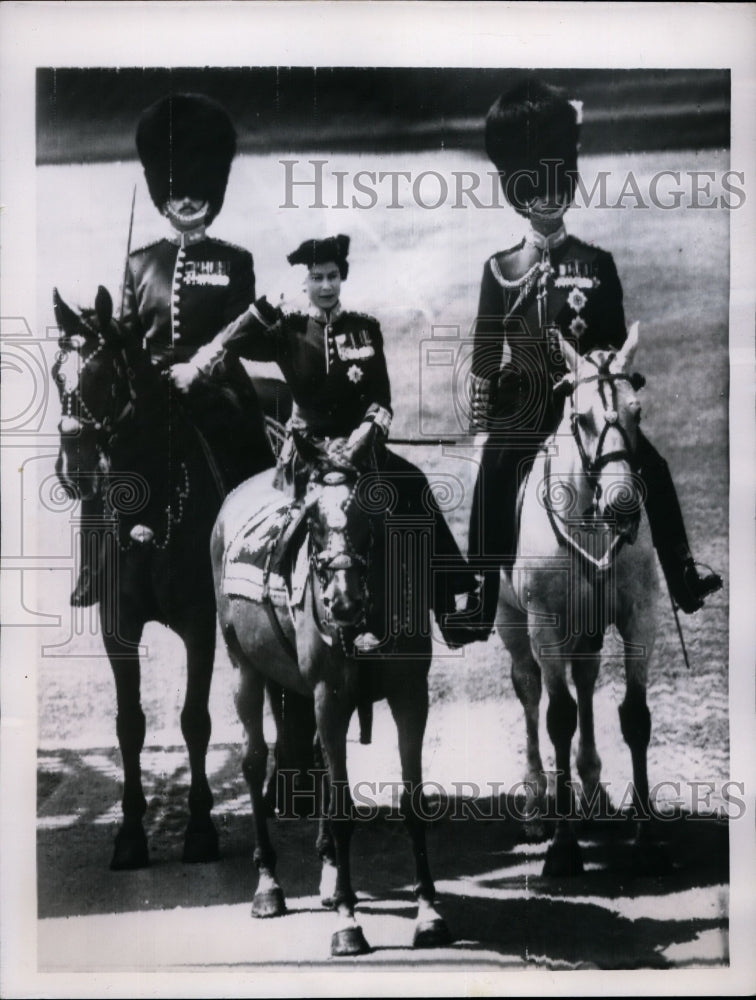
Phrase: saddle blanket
pixel 251 553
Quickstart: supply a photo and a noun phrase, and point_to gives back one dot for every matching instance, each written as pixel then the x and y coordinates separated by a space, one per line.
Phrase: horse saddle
pixel 266 559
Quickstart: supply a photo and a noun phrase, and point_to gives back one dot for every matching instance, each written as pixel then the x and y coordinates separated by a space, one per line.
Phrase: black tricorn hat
pixel 333 248
pixel 186 143
pixel 532 134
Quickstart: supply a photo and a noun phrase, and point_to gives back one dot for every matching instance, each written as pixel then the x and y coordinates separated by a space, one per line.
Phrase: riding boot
pixel 686 586
pixel 493 531
pixel 86 591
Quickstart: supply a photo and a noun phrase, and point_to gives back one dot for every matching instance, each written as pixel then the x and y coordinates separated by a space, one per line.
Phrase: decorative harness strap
pixel 593 466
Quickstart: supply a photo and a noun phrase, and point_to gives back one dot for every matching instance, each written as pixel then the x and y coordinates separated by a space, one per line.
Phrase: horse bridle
pixel 607 380
pixel 73 403
pixel 592 466
pixel 325 561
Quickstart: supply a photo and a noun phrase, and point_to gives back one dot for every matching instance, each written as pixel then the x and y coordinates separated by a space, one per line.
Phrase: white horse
pixel 582 565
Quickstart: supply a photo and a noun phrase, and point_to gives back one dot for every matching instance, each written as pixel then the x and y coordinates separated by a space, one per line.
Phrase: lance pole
pixel 128 250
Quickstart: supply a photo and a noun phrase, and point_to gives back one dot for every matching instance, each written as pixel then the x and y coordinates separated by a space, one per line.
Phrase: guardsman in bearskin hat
pixel 181 290
pixel 548 280
pixel 334 364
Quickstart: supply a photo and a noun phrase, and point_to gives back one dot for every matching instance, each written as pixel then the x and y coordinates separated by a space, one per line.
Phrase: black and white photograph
pixel 377 499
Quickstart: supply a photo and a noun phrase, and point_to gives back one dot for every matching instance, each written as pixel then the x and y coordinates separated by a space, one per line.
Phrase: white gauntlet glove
pixel 183 375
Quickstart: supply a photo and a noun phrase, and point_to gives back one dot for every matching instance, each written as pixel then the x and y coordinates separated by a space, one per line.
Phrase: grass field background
pixel 418 271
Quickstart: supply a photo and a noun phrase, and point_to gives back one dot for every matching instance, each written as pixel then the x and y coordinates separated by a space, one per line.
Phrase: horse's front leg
pixel 649 856
pixel 585 668
pixel 563 855
pixel 249 698
pixel 325 844
pixel 130 849
pixel 201 837
pixel 333 710
pixel 408 701
pixel 526 680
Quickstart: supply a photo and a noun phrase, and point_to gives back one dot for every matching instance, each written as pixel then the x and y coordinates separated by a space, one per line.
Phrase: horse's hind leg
pixel 201 837
pixel 130 849
pixel 408 702
pixel 268 900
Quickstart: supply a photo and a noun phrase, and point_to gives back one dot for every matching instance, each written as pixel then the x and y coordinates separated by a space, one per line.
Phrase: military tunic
pixel 526 293
pixel 336 369
pixel 177 298
pixel 178 295
pixel 333 363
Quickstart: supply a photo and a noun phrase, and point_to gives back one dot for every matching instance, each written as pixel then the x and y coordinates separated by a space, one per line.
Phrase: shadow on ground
pixel 488 874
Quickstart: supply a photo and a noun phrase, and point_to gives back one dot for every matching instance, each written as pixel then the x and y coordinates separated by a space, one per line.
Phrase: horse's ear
pixel 625 355
pixel 571 356
pixel 103 308
pixel 306 449
pixel 65 317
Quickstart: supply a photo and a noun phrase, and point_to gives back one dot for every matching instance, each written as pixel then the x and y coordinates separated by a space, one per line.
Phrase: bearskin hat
pixel 333 248
pixel 186 143
pixel 531 136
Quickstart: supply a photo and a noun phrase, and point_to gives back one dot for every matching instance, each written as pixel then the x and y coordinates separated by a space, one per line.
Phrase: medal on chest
pixel 207 272
pixel 354 346
pixel 577 274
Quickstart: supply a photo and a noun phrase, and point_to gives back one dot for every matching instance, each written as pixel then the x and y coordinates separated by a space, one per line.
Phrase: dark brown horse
pixel 128 450
pixel 348 574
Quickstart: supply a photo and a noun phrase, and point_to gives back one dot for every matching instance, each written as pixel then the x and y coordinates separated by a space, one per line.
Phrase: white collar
pixel 546 242
pixel 188 239
pixel 315 312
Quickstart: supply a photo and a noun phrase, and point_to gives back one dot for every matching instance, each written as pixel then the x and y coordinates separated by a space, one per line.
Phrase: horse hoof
pixel 349 941
pixel 130 851
pixel 201 841
pixel 650 859
pixel 563 859
pixel 326 902
pixel 270 903
pixel 431 934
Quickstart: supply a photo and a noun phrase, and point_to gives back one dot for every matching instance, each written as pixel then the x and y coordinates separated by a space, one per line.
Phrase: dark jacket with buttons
pixel 177 299
pixel 334 365
pixel 525 293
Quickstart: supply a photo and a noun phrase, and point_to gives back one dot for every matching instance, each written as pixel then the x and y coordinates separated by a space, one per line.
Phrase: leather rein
pixel 593 465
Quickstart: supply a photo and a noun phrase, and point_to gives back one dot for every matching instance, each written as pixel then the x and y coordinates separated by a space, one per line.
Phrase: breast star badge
pixel 354 373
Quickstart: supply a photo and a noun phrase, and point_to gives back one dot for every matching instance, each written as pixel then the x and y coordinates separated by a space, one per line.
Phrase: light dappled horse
pixel 322 629
pixel 582 565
